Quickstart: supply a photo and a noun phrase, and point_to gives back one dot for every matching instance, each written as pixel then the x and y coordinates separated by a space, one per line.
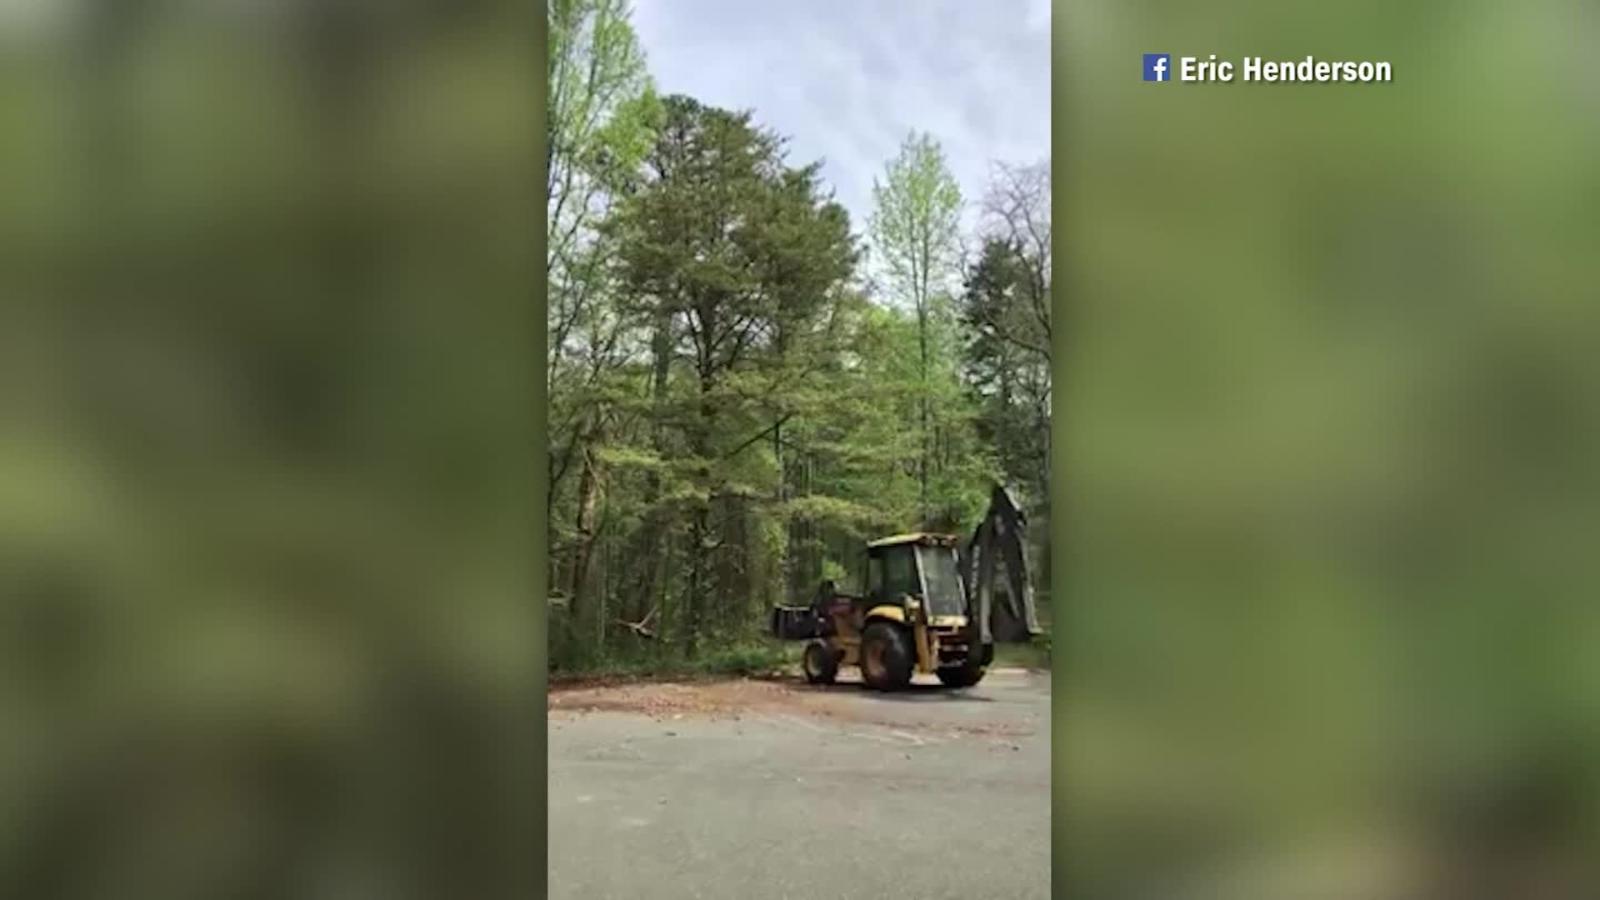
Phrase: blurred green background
pixel 1327 444
pixel 269 367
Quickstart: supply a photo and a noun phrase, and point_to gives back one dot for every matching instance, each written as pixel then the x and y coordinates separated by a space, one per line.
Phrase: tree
pixel 601 118
pixel 1007 364
pixel 601 101
pixel 1006 308
pixel 1017 212
pixel 736 258
pixel 916 232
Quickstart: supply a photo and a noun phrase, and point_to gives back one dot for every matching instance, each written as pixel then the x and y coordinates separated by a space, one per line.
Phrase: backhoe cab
pixel 928 607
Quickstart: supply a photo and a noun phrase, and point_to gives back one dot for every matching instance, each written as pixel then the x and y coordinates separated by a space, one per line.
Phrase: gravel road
pixel 762 789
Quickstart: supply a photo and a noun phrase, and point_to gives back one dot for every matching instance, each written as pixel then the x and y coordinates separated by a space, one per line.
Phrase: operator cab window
pixel 894 573
pixel 939 570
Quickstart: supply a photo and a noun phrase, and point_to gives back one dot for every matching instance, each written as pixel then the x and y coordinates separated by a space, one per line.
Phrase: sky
pixel 845 80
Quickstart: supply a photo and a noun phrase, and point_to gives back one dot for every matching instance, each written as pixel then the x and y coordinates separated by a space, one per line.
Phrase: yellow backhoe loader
pixel 929 606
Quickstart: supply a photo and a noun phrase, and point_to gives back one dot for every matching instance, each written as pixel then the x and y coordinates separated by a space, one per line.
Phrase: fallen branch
pixel 641 627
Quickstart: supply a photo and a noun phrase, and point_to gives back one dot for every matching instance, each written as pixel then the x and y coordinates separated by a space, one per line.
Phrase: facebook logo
pixel 1157 67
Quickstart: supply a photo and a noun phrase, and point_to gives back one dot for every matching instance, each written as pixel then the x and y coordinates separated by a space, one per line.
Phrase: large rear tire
pixel 886 656
pixel 821 664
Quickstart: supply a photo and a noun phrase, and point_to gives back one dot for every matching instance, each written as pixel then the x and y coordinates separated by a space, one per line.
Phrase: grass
pixel 1033 655
pixel 739 658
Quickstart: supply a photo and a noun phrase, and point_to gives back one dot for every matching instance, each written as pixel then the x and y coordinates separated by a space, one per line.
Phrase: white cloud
pixel 846 80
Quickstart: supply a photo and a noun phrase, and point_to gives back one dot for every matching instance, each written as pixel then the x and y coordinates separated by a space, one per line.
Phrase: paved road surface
pixel 753 790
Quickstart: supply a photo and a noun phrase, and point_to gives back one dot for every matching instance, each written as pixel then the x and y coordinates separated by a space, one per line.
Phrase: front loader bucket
pixel 795 623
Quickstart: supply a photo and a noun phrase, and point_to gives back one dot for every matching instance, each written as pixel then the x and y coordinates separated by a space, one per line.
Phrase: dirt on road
pixel 734 699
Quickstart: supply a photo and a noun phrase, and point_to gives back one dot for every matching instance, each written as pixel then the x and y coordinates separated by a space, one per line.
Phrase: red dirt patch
pixel 734 698
pixel 715 697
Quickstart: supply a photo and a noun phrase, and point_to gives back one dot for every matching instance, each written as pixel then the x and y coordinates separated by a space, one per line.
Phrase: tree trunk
pixel 922 399
pixel 584 521
pixel 700 527
pixel 693 602
pixel 647 545
pixel 786 571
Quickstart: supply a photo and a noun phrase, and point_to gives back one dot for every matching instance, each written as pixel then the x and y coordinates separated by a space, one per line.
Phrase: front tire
pixel 886 656
pixel 821 664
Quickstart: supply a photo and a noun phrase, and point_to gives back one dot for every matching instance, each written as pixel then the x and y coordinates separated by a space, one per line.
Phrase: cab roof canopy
pixel 916 537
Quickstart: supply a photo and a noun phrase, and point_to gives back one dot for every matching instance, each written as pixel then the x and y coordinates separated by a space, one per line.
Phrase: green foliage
pixel 600 118
pixel 750 657
pixel 828 510
pixel 639 458
pixel 916 236
pixel 1032 655
pixel 916 221
pixel 1007 364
